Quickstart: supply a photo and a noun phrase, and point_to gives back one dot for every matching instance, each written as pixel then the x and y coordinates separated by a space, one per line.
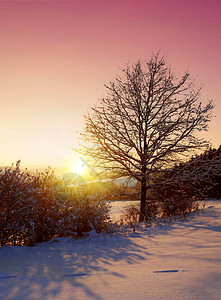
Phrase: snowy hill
pixel 176 261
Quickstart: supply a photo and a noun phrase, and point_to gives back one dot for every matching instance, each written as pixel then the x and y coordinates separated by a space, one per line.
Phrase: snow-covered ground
pixel 176 261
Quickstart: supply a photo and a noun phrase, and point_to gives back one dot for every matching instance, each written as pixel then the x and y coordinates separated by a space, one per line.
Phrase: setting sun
pixel 78 166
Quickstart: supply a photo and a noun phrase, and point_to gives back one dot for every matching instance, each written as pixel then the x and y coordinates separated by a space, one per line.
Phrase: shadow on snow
pixel 45 270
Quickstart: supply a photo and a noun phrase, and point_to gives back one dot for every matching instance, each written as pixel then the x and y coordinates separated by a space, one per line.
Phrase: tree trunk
pixel 143 199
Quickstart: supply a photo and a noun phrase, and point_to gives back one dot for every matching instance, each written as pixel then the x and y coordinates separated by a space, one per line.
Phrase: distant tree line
pixel 187 183
pixel 213 186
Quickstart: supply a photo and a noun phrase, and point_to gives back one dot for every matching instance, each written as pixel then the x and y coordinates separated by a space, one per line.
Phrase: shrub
pixel 130 216
pixel 152 210
pixel 179 205
pixel 15 205
pixel 36 207
pixel 177 199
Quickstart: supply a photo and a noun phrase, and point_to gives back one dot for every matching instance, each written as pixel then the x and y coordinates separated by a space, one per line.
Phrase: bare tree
pixel 147 123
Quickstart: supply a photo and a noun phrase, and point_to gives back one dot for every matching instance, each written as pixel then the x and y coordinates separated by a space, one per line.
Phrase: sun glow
pixel 78 166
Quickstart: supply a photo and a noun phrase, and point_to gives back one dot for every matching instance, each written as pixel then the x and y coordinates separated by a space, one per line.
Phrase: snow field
pixel 174 261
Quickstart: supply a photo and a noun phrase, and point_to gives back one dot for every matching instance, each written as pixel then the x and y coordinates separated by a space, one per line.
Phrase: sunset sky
pixel 56 57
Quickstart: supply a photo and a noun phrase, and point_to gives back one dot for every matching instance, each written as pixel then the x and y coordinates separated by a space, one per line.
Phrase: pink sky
pixel 56 57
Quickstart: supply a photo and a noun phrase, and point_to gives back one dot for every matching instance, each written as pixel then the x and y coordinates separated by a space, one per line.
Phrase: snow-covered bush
pixel 130 216
pixel 45 205
pixel 92 213
pixel 15 205
pixel 79 213
pixel 178 205
pixel 178 198
pixel 36 207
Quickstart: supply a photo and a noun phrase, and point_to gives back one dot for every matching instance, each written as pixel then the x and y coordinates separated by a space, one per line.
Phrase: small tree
pixel 147 123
